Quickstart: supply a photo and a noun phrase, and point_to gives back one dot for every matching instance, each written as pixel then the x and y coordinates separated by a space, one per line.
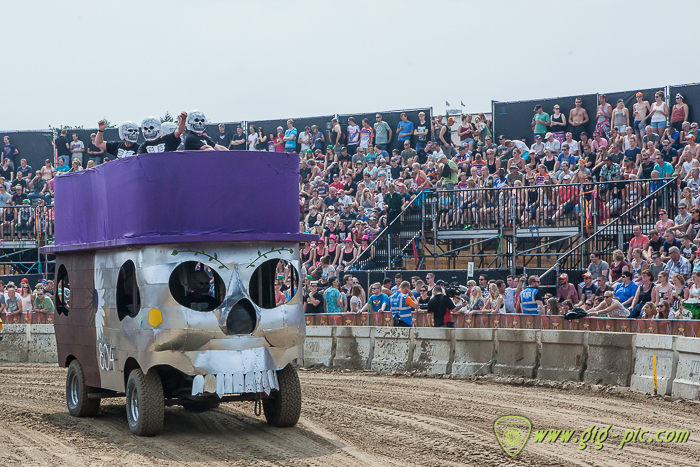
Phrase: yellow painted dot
pixel 155 317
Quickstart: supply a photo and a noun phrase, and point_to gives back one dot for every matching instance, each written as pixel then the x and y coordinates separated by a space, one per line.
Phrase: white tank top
pixel 26 302
pixel 657 117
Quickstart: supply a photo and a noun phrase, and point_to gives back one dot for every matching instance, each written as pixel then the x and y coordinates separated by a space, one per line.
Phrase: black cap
pixel 609 158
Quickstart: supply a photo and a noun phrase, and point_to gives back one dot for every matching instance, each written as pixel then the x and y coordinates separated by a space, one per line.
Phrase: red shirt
pixel 634 243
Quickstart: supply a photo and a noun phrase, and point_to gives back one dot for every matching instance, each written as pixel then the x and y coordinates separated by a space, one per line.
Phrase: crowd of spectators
pixel 22 304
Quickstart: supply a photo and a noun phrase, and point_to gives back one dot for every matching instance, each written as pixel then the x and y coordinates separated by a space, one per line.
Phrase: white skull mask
pixel 167 127
pixel 196 121
pixel 129 131
pixel 150 127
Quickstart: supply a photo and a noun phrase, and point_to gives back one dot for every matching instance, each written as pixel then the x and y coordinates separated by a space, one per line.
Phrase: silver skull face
pixel 167 127
pixel 150 127
pixel 129 131
pixel 196 121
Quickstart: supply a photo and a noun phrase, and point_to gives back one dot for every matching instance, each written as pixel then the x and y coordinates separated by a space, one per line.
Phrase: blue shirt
pixel 377 301
pixel 624 293
pixel 571 159
pixel 404 127
pixel 62 168
pixel 291 144
pixel 666 170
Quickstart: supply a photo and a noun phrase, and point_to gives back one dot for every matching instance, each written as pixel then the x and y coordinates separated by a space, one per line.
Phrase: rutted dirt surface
pixel 348 419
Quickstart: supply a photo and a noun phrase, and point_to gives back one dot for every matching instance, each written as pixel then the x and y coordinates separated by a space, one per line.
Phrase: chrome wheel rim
pixel 134 405
pixel 73 390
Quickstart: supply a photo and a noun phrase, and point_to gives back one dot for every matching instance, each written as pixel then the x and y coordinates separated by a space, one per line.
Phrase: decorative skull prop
pixel 196 122
pixel 150 127
pixel 129 131
pixel 167 127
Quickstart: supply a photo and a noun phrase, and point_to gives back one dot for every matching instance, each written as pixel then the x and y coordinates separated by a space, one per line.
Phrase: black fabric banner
pixel 392 118
pixel 630 98
pixel 514 119
pixel 691 96
pixel 35 146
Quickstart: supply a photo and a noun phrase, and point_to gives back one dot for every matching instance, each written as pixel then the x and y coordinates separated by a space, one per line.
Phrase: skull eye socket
pixel 197 286
pixel 273 283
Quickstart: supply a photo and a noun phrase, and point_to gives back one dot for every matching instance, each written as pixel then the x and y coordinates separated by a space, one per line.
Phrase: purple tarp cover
pixel 174 197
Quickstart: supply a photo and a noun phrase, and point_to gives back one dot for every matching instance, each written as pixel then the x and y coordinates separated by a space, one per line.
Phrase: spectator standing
pixel 224 137
pixel 640 113
pixel 659 113
pixel 404 130
pixel 335 133
pixel 382 131
pixel 332 297
pixel 252 138
pixel 378 301
pixel 366 134
pixel 422 132
pixel 679 114
pixel 77 148
pixel 304 140
pixel 238 142
pixel 441 306
pixel 603 116
pixel 95 154
pixel 8 150
pixel 290 137
pixel 313 301
pixel 540 122
pixel 557 124
pixel 578 117
pixel 62 145
pixel 531 300
pixel 509 294
pixel 402 304
pixel 353 136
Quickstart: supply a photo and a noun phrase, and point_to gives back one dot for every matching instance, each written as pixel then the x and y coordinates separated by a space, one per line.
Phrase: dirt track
pixel 348 419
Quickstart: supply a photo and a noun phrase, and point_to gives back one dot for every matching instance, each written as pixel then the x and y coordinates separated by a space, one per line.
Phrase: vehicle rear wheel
pixel 283 408
pixel 145 406
pixel 79 405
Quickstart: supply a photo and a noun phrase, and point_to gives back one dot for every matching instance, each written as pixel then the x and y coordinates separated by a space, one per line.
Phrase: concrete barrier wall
pixel 319 347
pixel 475 351
pixel 610 358
pixel 563 355
pixel 517 352
pixel 687 381
pixel 432 350
pixel 663 347
pixel 353 348
pixel 34 343
pixel 393 349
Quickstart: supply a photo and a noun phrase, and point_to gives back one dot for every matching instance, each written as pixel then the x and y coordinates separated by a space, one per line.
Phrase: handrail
pixel 615 222
pixel 385 230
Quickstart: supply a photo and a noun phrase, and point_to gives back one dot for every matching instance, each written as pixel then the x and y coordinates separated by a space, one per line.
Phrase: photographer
pixel 441 305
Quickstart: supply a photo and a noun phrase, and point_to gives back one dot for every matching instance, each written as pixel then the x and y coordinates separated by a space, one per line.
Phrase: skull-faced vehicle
pixel 178 284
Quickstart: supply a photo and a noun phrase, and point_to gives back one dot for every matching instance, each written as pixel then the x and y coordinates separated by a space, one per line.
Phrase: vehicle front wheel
pixel 283 408
pixel 145 406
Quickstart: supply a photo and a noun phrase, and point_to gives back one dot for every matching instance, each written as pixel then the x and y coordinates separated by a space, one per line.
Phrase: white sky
pixel 73 62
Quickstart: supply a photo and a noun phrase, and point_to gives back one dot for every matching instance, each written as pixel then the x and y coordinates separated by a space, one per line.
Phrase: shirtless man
pixel 578 117
pixel 640 113
pixel 692 146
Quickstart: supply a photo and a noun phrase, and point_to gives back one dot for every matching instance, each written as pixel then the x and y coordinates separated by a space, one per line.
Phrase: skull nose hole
pixel 242 318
